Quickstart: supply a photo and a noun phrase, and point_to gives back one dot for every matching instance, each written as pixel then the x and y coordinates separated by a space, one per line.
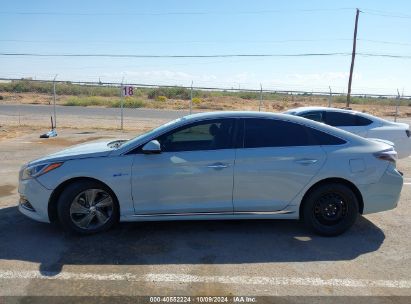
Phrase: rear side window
pixel 259 133
pixel 362 121
pixel 324 139
pixel 315 115
pixel 338 119
pixel 273 133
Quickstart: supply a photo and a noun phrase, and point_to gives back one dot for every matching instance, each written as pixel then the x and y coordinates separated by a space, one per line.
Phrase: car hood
pixel 95 149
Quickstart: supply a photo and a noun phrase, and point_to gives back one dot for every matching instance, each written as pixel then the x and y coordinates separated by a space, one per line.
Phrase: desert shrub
pixel 161 98
pixel 131 102
pixel 249 95
pixel 197 100
pixel 171 93
pixel 87 101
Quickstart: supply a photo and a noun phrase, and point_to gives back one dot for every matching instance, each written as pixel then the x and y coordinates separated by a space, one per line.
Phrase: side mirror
pixel 152 147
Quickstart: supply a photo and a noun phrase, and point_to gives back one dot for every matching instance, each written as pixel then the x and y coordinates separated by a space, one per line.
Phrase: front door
pixel 192 174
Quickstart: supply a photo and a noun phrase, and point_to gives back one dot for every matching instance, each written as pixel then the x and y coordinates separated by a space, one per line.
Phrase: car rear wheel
pixel 330 209
pixel 87 207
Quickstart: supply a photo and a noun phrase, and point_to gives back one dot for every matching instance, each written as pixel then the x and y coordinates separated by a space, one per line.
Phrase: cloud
pixel 326 76
pixel 162 76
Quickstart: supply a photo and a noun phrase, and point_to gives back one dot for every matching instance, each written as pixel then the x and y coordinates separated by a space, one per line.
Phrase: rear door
pixel 274 161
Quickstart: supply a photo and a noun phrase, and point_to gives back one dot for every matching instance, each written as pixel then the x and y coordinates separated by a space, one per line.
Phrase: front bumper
pixel 383 195
pixel 37 197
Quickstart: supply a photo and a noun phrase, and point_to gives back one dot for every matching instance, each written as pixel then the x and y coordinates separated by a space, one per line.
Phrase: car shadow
pixel 184 242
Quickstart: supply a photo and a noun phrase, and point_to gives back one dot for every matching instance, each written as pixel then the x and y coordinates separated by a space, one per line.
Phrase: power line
pixel 169 56
pixel 385 42
pixel 202 56
pixel 139 13
pixel 177 42
pixel 385 14
pixel 205 42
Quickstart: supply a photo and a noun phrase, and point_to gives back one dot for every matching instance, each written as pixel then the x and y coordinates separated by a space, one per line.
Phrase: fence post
pixel 330 98
pixel 54 102
pixel 19 113
pixel 261 97
pixel 397 105
pixel 121 104
pixel 191 97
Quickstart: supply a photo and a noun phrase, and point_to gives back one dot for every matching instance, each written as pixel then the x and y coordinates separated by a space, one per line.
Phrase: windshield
pixel 130 142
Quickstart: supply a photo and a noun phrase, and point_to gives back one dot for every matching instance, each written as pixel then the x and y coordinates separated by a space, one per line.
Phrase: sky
pixel 182 27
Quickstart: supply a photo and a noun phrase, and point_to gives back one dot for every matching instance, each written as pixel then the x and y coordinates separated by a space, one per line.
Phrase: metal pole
pixel 191 97
pixel 19 112
pixel 121 104
pixel 352 58
pixel 261 98
pixel 54 101
pixel 396 107
pixel 330 98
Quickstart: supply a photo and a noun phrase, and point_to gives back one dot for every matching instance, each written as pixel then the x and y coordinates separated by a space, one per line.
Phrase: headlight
pixel 37 170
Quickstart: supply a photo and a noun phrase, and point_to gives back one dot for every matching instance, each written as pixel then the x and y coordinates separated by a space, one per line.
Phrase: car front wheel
pixel 87 207
pixel 330 209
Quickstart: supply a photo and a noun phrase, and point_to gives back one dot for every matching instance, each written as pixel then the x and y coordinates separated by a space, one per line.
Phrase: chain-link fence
pixel 114 105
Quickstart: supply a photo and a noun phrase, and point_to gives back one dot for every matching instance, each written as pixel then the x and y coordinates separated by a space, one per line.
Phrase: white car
pixel 361 124
pixel 216 166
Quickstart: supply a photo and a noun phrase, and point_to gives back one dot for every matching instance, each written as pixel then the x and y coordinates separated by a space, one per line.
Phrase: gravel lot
pixel 195 258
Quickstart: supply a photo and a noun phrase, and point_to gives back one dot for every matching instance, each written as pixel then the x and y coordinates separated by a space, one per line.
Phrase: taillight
pixel 387 155
pixel 408 133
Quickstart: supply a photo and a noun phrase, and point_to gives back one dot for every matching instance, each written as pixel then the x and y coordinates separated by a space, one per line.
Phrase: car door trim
pixel 215 213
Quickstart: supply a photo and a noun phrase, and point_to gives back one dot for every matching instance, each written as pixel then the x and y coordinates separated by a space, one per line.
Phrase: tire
pixel 330 209
pixel 87 207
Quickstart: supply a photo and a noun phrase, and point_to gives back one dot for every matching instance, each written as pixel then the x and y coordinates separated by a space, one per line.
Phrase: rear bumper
pixel 383 195
pixel 403 147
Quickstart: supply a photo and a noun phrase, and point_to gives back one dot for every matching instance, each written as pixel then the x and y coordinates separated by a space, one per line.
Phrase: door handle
pixel 306 161
pixel 218 166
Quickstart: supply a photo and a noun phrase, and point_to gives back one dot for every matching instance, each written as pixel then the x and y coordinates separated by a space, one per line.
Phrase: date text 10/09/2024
pixel 203 299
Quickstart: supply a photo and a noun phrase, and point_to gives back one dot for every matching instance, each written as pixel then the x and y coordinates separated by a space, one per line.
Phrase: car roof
pixel 315 108
pixel 243 114
pixel 233 114
pixel 301 110
pixel 282 116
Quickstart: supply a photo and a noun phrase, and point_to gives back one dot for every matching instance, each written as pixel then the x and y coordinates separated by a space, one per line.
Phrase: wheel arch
pixel 52 204
pixel 343 181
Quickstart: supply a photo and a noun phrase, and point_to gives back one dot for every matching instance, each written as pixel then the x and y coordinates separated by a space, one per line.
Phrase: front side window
pixel 206 135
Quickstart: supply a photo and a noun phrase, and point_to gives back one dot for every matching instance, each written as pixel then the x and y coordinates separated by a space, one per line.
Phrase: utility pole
pixel 352 58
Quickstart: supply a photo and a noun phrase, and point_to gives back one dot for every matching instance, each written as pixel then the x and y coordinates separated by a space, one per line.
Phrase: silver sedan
pixel 216 166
